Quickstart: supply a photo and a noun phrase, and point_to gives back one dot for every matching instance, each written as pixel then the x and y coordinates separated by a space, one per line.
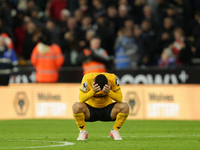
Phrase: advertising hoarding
pixel 54 101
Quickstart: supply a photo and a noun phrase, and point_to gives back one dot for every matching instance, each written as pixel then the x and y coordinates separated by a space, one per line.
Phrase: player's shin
pixel 120 119
pixel 80 121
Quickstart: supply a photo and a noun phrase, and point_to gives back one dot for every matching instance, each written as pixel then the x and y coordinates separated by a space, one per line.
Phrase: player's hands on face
pixel 96 87
pixel 106 88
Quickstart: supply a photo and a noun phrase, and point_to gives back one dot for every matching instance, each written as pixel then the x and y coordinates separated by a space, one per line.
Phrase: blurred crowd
pixel 163 33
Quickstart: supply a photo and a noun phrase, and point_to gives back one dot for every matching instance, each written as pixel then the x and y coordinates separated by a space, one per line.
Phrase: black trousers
pixel 4 80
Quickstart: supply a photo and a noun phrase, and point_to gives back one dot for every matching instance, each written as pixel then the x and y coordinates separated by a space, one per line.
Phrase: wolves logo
pixel 21 103
pixel 134 102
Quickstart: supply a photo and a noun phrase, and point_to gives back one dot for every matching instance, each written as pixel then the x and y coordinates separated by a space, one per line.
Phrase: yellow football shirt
pixel 99 99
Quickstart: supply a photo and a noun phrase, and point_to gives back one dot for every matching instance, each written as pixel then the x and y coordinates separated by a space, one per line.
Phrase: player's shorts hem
pixel 100 114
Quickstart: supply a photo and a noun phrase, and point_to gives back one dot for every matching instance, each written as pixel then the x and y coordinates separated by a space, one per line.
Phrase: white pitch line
pixel 62 144
pixel 164 136
pixel 167 136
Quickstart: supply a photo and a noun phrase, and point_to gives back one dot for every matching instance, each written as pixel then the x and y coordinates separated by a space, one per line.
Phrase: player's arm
pixel 116 95
pixel 86 93
pixel 84 96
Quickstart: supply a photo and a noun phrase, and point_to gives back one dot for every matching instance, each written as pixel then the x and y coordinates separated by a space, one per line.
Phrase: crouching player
pixel 97 92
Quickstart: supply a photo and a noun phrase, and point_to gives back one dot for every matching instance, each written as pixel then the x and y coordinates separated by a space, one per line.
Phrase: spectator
pixel 88 36
pixel 86 25
pixel 8 40
pixel 148 30
pixel 196 34
pixel 112 17
pixel 5 13
pixel 106 33
pixel 99 9
pixel 177 18
pixel 167 59
pixel 18 19
pixel 111 2
pixel 165 37
pixel 29 42
pixel 69 20
pixel 8 62
pixel 144 46
pixel 152 36
pixel 125 2
pixel 78 15
pixel 55 7
pixel 20 35
pixel 83 6
pixel 41 4
pixel 71 5
pixel 182 48
pixel 138 10
pixel 54 30
pixel 64 15
pixel 30 5
pixel 6 30
pixel 70 48
pixel 161 9
pixel 193 25
pixel 148 15
pixel 183 9
pixel 152 3
pixel 47 58
pixel 37 18
pixel 122 16
pixel 71 24
pixel 126 52
pixel 129 24
pixel 95 58
pixel 120 34
pixel 22 5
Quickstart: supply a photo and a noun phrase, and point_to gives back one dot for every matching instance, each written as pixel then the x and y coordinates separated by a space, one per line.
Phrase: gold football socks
pixel 80 120
pixel 120 119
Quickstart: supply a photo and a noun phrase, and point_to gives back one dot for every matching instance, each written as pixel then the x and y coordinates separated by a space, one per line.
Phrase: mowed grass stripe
pixel 136 134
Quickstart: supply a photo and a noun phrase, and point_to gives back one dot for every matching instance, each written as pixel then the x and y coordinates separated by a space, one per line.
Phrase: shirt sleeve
pixel 85 93
pixel 115 92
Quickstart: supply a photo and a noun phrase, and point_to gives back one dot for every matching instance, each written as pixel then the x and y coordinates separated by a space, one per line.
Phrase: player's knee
pixel 78 107
pixel 124 107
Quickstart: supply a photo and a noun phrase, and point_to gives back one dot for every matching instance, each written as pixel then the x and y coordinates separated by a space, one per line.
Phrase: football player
pixel 100 100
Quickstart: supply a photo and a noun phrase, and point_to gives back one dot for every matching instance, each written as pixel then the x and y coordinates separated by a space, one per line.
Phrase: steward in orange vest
pixel 94 59
pixel 47 58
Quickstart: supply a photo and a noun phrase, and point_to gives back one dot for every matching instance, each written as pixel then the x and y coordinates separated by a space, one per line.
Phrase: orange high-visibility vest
pixel 92 66
pixel 48 64
pixel 8 40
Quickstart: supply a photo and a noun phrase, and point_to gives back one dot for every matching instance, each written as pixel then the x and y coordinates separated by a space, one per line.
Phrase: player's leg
pixel 119 112
pixel 81 113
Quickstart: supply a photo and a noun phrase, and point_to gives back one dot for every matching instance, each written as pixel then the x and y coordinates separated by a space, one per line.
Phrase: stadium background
pixel 164 99
pixel 23 20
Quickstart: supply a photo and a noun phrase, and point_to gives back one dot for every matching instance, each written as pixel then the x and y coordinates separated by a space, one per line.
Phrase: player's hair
pixel 101 80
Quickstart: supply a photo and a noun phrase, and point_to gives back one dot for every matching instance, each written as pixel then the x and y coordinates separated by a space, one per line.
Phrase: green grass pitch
pixel 136 134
